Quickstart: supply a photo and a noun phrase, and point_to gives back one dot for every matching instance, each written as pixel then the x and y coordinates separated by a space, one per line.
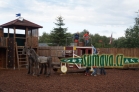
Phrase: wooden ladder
pixel 22 60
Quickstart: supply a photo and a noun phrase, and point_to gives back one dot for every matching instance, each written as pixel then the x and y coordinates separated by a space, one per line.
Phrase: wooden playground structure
pixel 11 44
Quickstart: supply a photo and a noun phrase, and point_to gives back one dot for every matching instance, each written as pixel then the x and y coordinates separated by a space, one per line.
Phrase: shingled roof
pixel 20 24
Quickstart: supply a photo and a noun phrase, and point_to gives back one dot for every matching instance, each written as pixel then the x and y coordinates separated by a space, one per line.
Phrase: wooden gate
pixel 11 53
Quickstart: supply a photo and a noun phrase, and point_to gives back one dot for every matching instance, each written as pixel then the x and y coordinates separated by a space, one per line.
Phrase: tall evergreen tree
pixel 58 35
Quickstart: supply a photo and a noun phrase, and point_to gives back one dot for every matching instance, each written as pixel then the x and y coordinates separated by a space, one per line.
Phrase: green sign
pixel 72 60
pixel 101 60
pixel 130 60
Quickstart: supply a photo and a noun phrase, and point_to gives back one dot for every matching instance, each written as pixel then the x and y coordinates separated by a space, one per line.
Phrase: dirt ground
pixel 114 81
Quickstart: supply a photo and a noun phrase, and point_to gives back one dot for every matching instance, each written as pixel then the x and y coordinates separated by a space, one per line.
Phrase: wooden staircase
pixel 22 59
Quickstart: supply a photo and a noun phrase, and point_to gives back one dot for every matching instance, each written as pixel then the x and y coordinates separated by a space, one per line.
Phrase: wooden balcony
pixel 3 42
pixel 32 42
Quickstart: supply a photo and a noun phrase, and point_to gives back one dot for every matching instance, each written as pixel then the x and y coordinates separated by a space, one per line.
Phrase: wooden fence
pixel 56 52
pixel 126 52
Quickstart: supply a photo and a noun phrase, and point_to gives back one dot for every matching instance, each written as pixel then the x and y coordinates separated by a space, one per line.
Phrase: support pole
pixel 26 33
pixel 8 32
pixel 14 46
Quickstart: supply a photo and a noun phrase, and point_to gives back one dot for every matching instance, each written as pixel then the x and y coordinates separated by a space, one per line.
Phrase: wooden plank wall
pixel 127 52
pixel 32 41
pixel 56 51
pixel 1 59
pixel 3 41
pixel 1 33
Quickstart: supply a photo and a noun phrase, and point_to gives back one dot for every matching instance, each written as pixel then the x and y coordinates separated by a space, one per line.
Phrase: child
pixel 86 38
pixel 94 73
pixel 87 71
pixel 102 70
pixel 76 37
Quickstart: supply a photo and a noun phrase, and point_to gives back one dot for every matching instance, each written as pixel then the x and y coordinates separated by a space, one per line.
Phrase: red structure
pixel 78 50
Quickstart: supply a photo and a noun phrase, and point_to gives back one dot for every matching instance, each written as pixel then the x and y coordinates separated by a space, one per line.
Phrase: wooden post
pixel 50 50
pixel 6 57
pixel 26 33
pixel 79 52
pixel 86 50
pixel 14 45
pixel 37 40
pixel 31 38
pixel 7 49
pixel 8 32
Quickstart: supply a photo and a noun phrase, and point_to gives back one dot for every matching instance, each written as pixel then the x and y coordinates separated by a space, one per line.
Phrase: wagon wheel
pixel 56 66
pixel 63 69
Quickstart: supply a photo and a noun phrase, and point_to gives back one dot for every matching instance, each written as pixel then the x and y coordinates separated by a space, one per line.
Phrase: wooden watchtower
pixel 11 44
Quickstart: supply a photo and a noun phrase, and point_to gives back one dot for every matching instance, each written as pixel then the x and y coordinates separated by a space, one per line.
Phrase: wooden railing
pixel 32 42
pixel 3 42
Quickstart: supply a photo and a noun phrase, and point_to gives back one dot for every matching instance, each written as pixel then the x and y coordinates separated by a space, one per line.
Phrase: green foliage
pixel 58 35
pixel 45 38
pixel 120 42
pixel 132 37
pixel 97 40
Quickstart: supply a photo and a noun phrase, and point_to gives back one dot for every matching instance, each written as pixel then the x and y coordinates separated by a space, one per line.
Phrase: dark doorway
pixel 82 51
pixel 89 51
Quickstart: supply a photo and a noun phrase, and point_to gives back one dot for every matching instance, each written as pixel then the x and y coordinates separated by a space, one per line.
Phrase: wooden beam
pixel 26 41
pixel 31 37
pixel 1 32
pixel 79 52
pixel 14 33
pixel 8 32
pixel 38 32
pixel 86 51
pixel 6 57
pixel 26 33
pixel 7 50
pixel 14 46
pixel 37 40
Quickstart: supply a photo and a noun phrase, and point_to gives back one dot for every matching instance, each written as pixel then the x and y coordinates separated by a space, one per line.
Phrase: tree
pixel 132 35
pixel 59 35
pixel 97 40
pixel 45 38
pixel 69 38
pixel 120 42
pixel 131 39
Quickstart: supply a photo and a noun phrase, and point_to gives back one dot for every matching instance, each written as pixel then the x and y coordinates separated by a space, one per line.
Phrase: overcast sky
pixel 97 16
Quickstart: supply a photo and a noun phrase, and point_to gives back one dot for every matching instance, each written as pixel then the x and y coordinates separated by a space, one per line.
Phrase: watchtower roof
pixel 20 24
